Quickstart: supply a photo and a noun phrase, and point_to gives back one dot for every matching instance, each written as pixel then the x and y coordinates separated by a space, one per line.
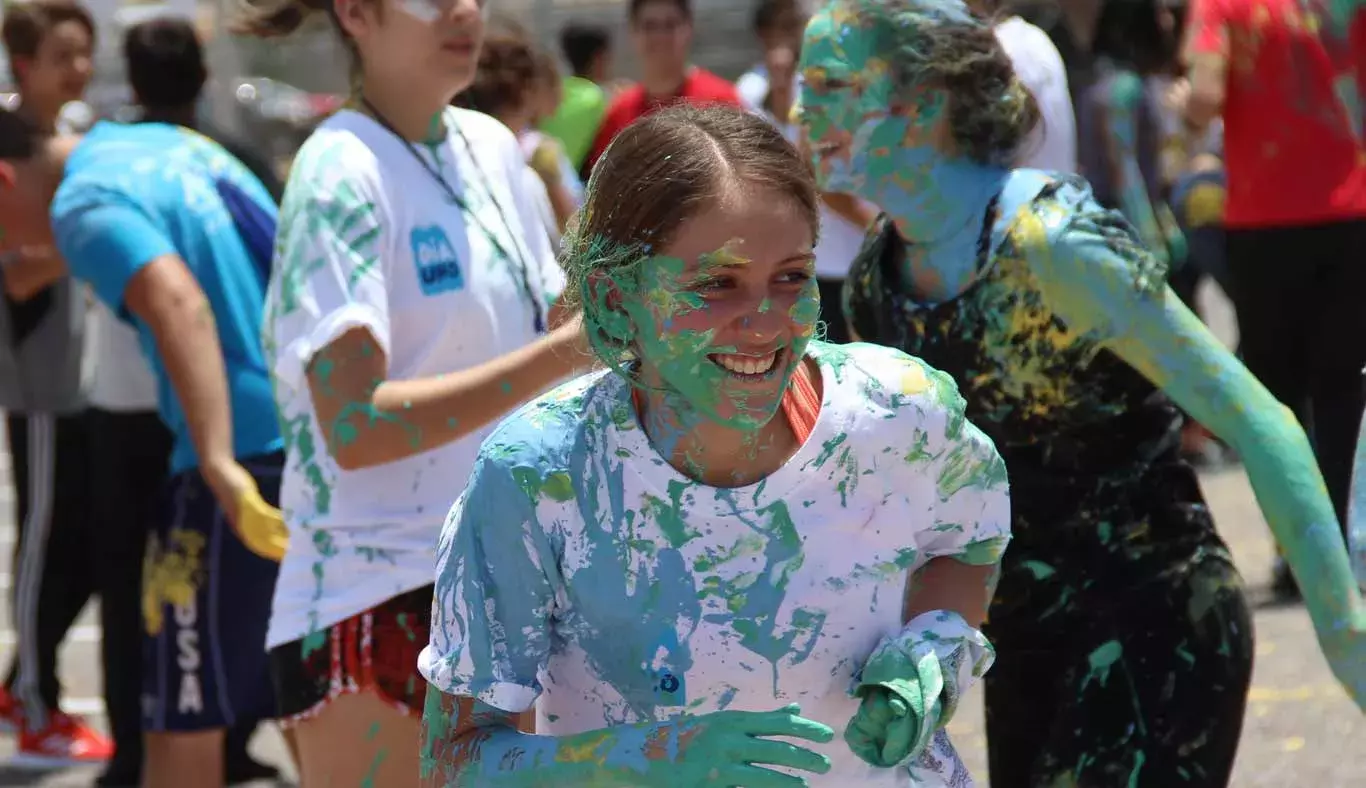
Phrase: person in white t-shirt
pixel 737 533
pixel 410 306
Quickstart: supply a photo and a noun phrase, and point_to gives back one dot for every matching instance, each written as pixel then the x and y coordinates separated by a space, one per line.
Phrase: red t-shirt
pixel 1292 144
pixel 699 87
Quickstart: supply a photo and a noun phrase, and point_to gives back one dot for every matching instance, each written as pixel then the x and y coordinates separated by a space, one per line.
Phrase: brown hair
pixel 655 175
pixel 20 138
pixel 990 111
pixel 508 70
pixel 274 18
pixel 27 24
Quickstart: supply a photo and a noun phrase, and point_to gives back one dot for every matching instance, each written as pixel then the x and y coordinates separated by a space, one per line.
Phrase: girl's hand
pixel 736 748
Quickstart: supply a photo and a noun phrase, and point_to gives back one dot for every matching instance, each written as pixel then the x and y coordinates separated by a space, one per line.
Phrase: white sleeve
pixel 494 598
pixel 972 499
pixel 330 272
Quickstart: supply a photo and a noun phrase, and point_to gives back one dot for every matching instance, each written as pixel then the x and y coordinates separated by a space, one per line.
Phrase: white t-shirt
pixel 368 238
pixel 123 381
pixel 1052 146
pixel 580 572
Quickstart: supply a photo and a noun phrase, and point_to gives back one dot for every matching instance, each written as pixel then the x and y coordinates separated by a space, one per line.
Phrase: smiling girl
pixel 713 542
pixel 407 311
pixel 1125 640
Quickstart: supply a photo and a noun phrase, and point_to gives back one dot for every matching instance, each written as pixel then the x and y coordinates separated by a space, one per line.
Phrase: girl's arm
pixel 1103 283
pixel 972 510
pixel 328 327
pixel 368 420
pixel 1356 509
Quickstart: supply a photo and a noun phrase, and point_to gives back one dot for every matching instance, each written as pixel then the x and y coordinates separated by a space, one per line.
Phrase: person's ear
pixel 354 16
pixel 9 176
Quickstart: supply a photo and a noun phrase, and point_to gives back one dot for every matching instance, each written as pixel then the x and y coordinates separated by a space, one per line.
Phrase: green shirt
pixel 576 122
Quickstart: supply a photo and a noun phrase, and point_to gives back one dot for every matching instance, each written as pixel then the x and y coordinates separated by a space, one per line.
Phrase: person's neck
pixel 42 114
pixel 49 166
pixel 664 85
pixel 714 454
pixel 413 119
pixel 176 116
pixel 938 206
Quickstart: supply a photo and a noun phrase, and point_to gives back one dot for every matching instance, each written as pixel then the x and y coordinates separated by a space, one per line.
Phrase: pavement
pixel 1301 730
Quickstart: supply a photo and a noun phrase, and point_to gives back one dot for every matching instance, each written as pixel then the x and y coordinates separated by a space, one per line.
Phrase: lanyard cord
pixel 486 184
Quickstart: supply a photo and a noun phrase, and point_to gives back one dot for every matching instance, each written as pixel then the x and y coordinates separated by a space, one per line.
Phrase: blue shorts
pixel 206 603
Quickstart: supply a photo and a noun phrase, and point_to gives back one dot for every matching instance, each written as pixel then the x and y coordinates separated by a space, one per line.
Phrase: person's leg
pixel 130 453
pixel 17 436
pixel 1273 339
pixel 1338 352
pixel 353 697
pixel 1154 696
pixel 55 581
pixel 206 605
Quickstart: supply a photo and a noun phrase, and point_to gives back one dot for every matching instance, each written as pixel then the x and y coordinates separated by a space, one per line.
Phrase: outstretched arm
pixel 1100 281
pixel 1356 510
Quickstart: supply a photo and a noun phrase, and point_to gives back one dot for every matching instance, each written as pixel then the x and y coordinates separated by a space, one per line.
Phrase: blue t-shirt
pixel 133 193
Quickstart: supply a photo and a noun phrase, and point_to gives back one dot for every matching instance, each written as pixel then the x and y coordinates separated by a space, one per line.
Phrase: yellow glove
pixel 260 526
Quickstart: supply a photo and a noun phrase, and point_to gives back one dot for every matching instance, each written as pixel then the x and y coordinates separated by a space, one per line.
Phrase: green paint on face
pixel 672 313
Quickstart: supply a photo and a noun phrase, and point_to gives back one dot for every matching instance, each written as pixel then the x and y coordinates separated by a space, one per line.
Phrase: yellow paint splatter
pixel 1292 744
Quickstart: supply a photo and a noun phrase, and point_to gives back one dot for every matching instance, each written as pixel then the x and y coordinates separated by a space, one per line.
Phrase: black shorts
pixel 206 603
pixel 375 651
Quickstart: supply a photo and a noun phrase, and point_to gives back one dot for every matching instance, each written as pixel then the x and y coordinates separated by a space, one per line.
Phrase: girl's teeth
pixel 747 365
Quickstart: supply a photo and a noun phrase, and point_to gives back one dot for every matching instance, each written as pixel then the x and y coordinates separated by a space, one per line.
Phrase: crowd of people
pixel 545 428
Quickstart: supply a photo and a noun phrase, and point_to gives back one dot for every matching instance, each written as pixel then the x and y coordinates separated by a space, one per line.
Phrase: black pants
pixel 53 561
pixel 1147 693
pixel 1300 293
pixel 130 456
pixel 832 310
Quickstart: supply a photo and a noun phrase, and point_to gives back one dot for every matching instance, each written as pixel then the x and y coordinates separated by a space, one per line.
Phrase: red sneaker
pixel 11 715
pixel 66 741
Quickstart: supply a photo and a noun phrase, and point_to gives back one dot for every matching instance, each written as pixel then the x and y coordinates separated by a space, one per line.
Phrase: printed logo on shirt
pixel 438 269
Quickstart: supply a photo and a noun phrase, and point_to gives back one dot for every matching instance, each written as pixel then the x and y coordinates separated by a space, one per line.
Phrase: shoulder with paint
pixel 553 427
pixel 340 150
pixel 877 385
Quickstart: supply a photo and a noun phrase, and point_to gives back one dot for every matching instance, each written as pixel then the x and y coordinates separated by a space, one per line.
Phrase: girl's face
pixel 423 40
pixel 858 128
pixel 724 312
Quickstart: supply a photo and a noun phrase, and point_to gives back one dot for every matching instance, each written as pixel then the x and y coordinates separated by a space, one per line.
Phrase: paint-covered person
pixel 734 533
pixel 409 308
pixel 1123 636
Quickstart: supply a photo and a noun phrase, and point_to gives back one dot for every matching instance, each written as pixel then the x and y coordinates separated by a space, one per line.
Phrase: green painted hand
pixel 900 710
pixel 735 748
pixel 911 684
